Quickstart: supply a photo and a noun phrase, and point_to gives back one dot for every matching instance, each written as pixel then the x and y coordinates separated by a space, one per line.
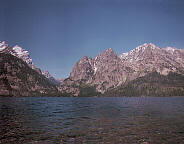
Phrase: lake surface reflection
pixel 128 120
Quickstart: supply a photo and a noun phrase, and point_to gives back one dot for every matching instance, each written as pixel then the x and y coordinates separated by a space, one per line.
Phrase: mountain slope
pixel 152 84
pixel 109 71
pixel 50 78
pixel 18 79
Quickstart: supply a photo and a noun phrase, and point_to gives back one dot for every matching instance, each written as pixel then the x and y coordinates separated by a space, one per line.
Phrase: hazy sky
pixel 57 33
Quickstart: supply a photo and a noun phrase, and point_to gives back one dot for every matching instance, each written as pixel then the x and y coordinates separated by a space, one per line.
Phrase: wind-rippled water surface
pixel 52 120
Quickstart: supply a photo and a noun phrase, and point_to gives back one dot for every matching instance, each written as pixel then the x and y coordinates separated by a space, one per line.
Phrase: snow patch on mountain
pixel 134 54
pixel 170 49
pixel 3 45
pixel 23 54
pixel 123 55
pixel 46 74
pixel 143 47
pixel 95 68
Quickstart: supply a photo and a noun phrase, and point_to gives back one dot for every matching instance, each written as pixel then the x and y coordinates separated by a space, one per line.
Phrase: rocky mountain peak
pixel 176 54
pixel 83 70
pixel 104 69
pixel 18 52
pixel 108 53
pixel 171 50
pixel 84 59
pixel 150 45
pixel 106 56
pixel 148 57
pixel 50 78
pixel 145 46
pixel 108 50
pixel 144 50
pixel 46 74
pixel 23 54
pixel 3 45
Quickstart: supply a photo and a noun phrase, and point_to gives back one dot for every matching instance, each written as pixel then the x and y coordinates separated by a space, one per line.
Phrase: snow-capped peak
pixel 19 51
pixel 50 77
pixel 170 49
pixel 143 47
pixel 109 49
pixel 23 54
pixel 46 74
pixel 133 54
pixel 123 55
pixel 3 45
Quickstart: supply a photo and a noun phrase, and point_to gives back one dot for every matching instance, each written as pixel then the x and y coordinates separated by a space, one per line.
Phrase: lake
pixel 130 120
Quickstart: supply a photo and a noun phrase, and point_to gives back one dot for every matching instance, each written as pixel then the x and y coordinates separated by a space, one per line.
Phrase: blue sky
pixel 57 33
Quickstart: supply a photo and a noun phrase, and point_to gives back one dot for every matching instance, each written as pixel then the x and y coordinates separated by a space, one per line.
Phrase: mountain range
pixel 146 70
pixel 20 77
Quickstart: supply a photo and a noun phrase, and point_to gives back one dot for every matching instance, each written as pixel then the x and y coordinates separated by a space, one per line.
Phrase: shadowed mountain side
pixel 77 88
pixel 18 79
pixel 152 84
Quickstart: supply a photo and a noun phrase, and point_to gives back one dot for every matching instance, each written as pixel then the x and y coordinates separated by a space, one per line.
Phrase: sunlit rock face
pixel 104 71
pixel 83 70
pixel 3 46
pixel 23 54
pixel 109 71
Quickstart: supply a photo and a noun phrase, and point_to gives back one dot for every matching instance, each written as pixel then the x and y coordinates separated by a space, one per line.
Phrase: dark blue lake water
pixel 51 120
